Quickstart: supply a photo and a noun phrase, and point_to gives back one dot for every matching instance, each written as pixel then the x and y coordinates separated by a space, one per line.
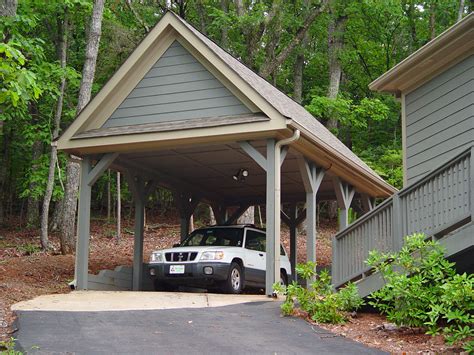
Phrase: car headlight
pixel 212 255
pixel 156 257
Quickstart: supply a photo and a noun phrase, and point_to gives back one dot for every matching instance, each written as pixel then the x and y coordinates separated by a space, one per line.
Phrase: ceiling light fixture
pixel 240 175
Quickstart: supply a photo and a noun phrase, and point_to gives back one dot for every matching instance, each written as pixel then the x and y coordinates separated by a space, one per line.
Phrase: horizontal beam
pixel 172 182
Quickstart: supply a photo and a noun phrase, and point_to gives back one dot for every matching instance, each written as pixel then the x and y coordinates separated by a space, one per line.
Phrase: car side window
pixel 255 240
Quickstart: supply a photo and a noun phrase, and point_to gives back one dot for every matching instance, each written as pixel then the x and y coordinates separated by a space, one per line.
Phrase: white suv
pixel 229 258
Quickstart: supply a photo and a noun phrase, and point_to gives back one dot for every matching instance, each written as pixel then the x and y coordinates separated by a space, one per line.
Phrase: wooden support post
pixel 344 194
pixel 312 178
pixel 397 228
pixel 137 275
pixel 293 241
pixel 83 227
pixel 140 192
pixel 272 217
pixel 272 165
pixel 186 204
pixel 88 177
pixel 368 203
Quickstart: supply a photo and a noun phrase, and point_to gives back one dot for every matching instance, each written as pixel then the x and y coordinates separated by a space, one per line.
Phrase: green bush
pixel 28 249
pixel 322 303
pixel 422 289
pixel 7 347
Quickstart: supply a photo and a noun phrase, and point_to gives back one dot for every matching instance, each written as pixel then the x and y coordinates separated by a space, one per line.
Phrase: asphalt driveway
pixel 242 328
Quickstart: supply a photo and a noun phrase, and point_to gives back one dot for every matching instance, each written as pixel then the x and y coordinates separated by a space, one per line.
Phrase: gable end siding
pixel 177 87
pixel 439 119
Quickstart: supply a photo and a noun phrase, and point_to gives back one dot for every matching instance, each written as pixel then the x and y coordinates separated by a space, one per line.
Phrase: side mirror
pixel 176 245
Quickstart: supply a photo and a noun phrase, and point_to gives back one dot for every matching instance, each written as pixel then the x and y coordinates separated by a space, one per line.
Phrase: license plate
pixel 176 269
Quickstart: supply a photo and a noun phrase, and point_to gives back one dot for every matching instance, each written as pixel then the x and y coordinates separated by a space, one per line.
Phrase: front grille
pixel 180 256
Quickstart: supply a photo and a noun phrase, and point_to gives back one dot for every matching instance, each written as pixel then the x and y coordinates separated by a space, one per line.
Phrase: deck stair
pixel 441 205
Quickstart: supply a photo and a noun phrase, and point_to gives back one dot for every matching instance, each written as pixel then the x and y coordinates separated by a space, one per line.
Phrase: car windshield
pixel 231 237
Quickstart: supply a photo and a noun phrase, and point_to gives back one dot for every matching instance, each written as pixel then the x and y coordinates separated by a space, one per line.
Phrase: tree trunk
pixel 137 16
pixel 461 10
pixel 72 185
pixel 32 209
pixel 335 45
pixel 271 65
pixel 433 20
pixel 62 51
pixel 8 7
pixel 298 78
pixel 201 10
pixel 224 29
pixel 109 198
pixel 299 67
pixel 4 168
pixel 212 218
pixel 69 204
pixel 119 210
pixel 248 217
pixel 239 7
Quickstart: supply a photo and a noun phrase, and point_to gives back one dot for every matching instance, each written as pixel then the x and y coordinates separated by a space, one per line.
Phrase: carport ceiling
pixel 207 171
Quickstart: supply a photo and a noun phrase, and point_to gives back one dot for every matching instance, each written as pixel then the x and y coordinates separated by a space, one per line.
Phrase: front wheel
pixel 283 279
pixel 234 281
pixel 162 286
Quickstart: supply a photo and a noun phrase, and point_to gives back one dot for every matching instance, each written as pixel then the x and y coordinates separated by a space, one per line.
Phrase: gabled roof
pixel 259 95
pixel 449 48
pixel 286 106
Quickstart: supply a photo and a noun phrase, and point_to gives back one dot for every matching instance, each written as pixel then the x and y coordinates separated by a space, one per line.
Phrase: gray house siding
pixel 439 119
pixel 177 87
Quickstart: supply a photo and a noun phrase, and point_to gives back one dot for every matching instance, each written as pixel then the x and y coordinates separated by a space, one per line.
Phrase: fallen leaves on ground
pixel 26 272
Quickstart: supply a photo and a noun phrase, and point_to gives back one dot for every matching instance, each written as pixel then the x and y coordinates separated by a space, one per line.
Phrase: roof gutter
pixel 296 135
pixel 382 184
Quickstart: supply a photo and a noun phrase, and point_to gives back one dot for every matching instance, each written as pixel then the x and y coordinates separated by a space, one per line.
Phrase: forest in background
pixel 322 53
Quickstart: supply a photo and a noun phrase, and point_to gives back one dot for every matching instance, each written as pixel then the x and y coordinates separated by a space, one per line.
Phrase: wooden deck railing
pixel 435 205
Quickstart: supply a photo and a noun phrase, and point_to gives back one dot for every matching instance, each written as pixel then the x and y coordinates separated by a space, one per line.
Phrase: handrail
pixel 435 205
pixel 364 218
pixel 435 171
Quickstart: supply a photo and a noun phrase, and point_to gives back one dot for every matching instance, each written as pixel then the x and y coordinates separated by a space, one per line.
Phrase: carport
pixel 184 114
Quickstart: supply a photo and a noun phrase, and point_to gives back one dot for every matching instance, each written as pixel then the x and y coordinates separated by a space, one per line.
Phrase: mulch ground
pixel 27 272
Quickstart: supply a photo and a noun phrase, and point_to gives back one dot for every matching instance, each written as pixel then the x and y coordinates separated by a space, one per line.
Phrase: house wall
pixel 177 87
pixel 439 118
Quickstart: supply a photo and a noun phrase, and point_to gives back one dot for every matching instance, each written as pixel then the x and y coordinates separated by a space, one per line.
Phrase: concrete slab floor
pixel 92 301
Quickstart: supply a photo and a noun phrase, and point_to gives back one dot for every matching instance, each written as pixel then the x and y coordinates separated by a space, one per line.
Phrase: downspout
pixel 277 196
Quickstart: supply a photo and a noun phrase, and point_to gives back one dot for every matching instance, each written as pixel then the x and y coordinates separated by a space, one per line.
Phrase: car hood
pixel 194 248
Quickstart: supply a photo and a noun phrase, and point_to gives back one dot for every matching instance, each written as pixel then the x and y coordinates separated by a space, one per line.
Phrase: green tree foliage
pixel 376 35
pixel 422 289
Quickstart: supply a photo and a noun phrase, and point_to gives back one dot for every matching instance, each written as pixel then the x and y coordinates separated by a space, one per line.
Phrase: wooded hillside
pixel 322 53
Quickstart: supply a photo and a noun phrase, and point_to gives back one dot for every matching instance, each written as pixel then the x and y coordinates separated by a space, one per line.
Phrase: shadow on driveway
pixel 244 328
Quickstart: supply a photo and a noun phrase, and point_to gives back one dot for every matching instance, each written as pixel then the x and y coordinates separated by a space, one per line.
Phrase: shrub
pixel 28 249
pixel 422 289
pixel 322 303
pixel 7 347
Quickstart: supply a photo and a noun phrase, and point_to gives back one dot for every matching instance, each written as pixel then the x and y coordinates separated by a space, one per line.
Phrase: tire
pixel 283 278
pixel 161 286
pixel 234 282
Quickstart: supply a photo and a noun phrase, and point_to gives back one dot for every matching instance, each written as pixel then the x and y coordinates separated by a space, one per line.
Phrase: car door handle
pixel 261 254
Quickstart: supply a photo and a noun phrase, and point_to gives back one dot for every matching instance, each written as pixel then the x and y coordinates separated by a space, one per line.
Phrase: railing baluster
pixel 432 204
